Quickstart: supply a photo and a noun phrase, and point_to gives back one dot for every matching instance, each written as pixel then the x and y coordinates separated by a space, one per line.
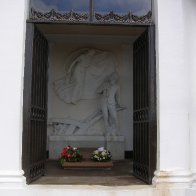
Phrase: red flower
pixel 70 154
pixel 64 152
pixel 68 147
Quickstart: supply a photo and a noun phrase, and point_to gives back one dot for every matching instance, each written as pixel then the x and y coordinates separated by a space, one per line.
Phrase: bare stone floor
pixel 119 175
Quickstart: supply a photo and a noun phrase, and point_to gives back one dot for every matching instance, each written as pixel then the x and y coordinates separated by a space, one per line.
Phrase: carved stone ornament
pixel 129 18
pixel 59 16
pixel 68 126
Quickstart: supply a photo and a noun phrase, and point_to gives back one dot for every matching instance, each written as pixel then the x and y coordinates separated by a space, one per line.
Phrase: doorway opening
pixel 58 113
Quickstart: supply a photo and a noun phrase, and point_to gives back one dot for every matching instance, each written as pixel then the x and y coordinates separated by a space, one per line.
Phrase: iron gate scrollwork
pixel 145 136
pixel 98 12
pixel 35 104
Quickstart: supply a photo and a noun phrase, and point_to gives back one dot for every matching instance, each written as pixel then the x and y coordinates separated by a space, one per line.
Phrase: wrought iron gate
pixel 35 104
pixel 145 134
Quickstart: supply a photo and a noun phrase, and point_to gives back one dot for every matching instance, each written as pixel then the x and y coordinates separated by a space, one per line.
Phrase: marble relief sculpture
pixel 91 74
pixel 86 69
pixel 77 71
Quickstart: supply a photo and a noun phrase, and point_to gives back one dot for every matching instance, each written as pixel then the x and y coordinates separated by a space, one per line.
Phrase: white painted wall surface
pixel 173 91
pixel 173 94
pixel 12 27
pixel 190 27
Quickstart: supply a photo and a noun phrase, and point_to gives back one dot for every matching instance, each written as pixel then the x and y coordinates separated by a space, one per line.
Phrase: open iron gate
pixel 35 104
pixel 144 117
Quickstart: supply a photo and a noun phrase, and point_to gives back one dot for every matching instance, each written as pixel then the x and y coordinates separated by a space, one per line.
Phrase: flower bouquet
pixel 70 154
pixel 101 155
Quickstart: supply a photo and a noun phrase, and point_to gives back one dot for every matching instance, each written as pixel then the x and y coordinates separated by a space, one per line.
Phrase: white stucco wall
pixel 173 91
pixel 190 29
pixel 12 23
pixel 174 54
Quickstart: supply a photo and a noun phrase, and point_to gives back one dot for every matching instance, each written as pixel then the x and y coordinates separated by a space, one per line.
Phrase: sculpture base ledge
pixel 87 164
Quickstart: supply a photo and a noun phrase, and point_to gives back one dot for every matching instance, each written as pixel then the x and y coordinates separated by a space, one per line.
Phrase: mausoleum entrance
pixel 90 92
pixel 97 80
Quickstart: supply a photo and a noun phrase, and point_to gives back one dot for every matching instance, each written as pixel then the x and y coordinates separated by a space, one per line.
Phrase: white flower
pixel 96 152
pixel 100 149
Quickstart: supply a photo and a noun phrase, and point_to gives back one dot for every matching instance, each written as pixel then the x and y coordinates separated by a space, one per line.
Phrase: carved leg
pixel 114 119
pixel 105 115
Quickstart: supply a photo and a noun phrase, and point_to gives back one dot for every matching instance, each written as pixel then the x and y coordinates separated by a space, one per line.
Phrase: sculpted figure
pixel 76 73
pixel 109 101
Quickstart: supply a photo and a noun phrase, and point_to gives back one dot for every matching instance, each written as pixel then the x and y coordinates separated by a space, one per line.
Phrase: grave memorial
pixel 91 74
